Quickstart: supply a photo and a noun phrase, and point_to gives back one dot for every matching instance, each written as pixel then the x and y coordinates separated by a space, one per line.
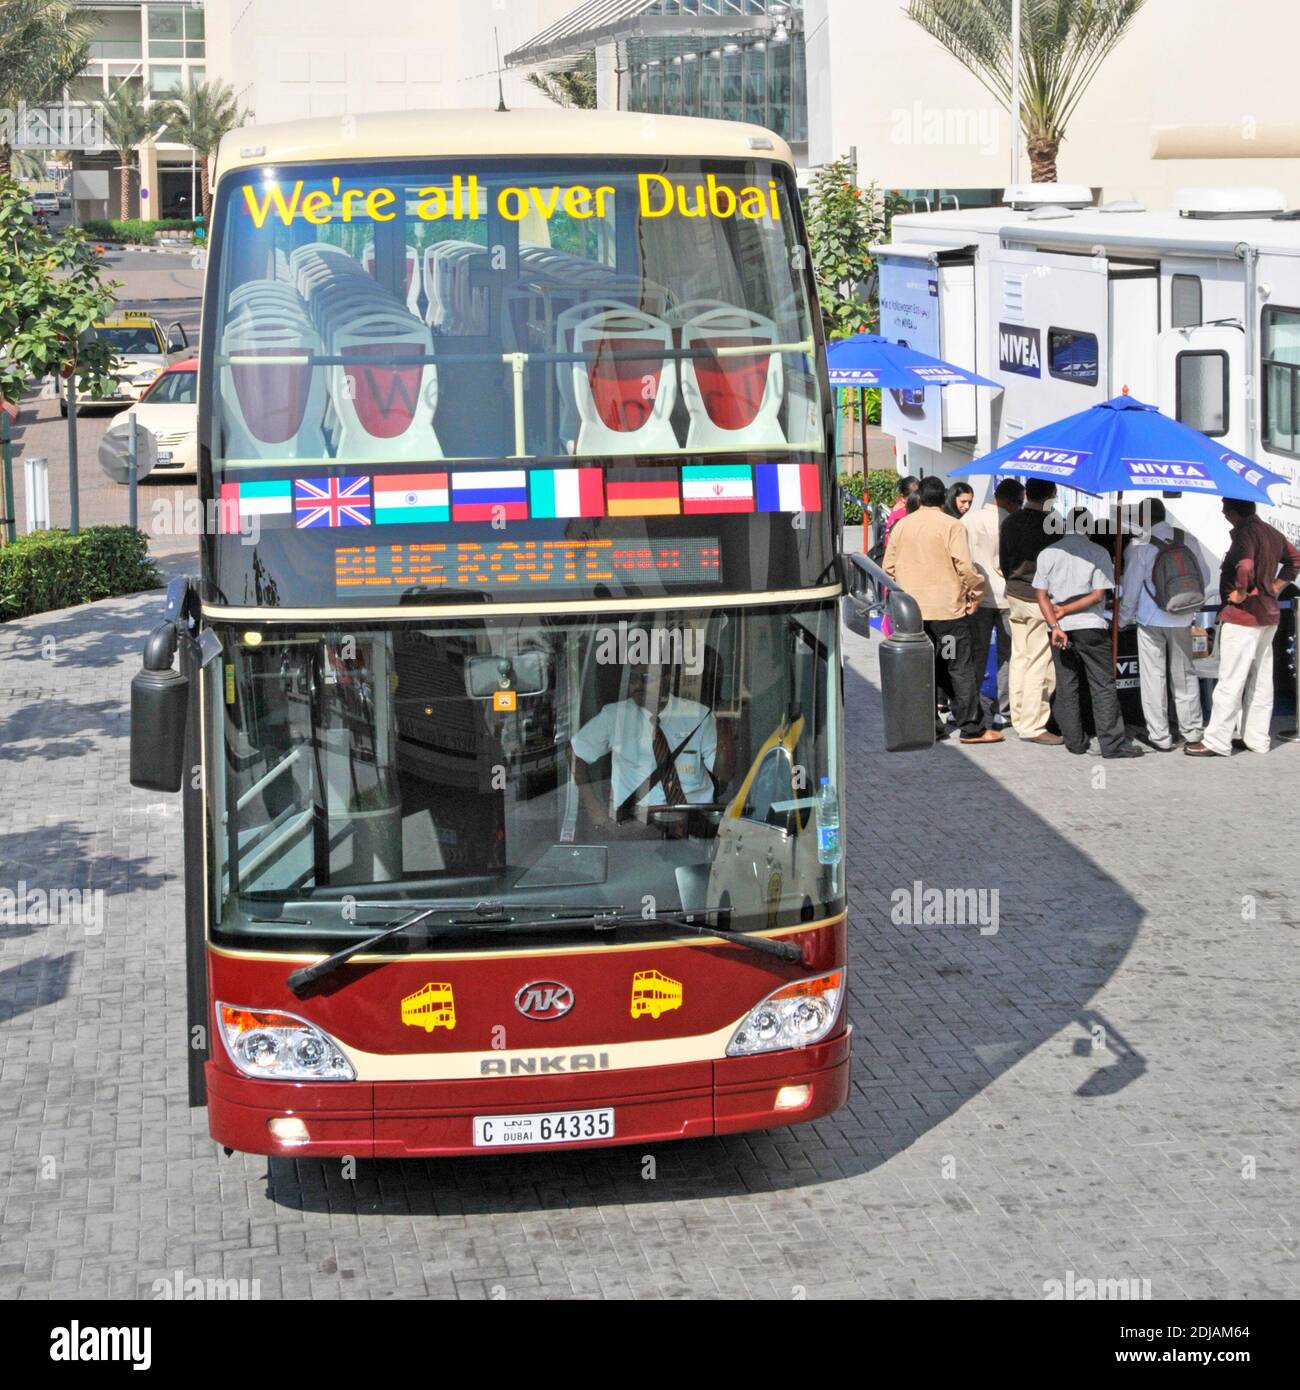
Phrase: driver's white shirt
pixel 625 730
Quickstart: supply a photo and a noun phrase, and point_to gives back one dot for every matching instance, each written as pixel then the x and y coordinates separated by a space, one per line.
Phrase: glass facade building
pixel 754 74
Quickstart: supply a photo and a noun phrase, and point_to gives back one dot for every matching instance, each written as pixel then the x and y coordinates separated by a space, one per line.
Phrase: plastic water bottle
pixel 828 823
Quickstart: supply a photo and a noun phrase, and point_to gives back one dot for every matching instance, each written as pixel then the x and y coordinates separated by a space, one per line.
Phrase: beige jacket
pixel 983 525
pixel 929 557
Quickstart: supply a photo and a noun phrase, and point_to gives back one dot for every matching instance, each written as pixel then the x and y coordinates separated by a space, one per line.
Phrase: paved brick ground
pixel 987 1146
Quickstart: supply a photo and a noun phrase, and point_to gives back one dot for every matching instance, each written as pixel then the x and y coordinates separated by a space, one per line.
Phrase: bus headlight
pixel 794 1016
pixel 281 1047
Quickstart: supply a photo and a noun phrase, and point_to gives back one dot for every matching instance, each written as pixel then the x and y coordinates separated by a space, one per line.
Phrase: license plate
pixel 557 1127
pixel 164 455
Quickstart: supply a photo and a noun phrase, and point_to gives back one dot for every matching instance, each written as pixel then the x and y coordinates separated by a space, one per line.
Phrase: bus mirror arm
pixel 868 590
pixel 906 655
pixel 159 704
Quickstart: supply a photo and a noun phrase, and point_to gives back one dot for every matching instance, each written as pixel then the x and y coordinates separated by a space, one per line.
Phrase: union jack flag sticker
pixel 331 502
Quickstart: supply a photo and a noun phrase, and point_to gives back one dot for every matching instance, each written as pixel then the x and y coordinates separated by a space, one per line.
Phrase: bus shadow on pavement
pixel 939 1008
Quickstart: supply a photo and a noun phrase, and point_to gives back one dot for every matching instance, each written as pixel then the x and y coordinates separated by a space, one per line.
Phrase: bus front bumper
pixel 436 1118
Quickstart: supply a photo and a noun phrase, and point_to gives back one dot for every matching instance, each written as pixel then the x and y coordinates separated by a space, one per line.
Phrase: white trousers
pixel 1245 688
pixel 1165 659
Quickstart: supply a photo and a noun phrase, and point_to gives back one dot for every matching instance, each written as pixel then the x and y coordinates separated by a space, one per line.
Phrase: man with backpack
pixel 1071 582
pixel 1163 590
pixel 1260 563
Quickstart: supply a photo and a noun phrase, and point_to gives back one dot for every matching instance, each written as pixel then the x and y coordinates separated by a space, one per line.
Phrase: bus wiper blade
pixel 300 980
pixel 609 921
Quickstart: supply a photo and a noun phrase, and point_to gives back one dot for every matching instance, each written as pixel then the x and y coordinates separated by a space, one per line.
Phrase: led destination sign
pixel 388 570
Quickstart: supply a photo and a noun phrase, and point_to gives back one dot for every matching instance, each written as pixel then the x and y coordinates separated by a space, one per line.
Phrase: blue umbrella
pixel 1123 445
pixel 867 359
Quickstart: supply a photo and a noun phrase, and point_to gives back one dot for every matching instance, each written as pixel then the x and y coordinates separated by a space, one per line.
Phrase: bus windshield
pixel 666 761
pixel 386 312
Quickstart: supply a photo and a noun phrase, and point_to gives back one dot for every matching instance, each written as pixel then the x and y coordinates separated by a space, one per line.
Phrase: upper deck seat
pixel 274 409
pixel 454 304
pixel 624 404
pixel 411 282
pixel 383 410
pixel 565 324
pixel 733 401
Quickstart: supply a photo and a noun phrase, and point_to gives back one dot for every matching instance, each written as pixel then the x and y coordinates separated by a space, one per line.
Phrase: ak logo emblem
pixel 432 1007
pixel 654 994
pixel 544 999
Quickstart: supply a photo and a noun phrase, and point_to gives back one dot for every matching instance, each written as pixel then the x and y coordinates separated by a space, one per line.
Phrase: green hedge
pixel 52 569
pixel 133 229
pixel 880 487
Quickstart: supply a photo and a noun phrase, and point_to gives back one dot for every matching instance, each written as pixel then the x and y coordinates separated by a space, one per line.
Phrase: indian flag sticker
pixel 788 487
pixel 564 492
pixel 403 498
pixel 727 487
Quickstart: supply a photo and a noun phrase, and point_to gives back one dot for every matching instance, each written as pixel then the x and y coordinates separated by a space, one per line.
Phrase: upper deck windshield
pixel 531 347
pixel 667 760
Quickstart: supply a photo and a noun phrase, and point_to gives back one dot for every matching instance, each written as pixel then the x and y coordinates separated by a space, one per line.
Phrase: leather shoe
pixel 986 736
pixel 1130 750
pixel 1239 745
pixel 1046 739
pixel 1200 750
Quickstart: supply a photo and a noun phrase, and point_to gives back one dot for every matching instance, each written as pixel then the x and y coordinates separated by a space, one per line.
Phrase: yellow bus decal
pixel 431 1007
pixel 654 994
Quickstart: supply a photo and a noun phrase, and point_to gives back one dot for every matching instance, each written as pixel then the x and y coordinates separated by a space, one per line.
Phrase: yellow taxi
pixel 141 350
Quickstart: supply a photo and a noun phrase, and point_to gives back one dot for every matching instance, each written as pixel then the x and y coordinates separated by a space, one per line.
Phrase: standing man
pixel 1073 577
pixel 983 528
pixel 1164 640
pixel 1031 678
pixel 929 556
pixel 1260 563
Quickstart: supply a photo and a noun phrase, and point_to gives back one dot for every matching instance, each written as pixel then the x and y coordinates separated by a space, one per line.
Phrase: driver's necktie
pixel 669 781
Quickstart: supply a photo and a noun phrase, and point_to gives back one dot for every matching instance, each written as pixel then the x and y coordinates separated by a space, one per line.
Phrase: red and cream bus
pixel 507 705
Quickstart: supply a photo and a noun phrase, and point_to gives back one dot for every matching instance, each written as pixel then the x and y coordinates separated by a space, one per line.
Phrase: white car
pixel 169 410
pixel 45 202
pixel 142 351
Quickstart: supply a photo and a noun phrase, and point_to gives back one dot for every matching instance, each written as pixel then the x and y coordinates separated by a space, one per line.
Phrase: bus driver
pixel 662 749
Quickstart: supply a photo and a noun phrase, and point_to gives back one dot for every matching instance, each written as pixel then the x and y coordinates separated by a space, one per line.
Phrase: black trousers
pixel 1084 670
pixel 954 640
pixel 984 621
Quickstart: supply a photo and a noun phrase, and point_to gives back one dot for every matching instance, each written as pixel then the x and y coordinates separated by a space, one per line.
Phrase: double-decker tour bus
pixel 507 706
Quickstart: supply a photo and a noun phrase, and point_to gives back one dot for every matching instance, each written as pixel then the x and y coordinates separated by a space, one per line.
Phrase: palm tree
pixel 575 87
pixel 128 123
pixel 1062 44
pixel 202 115
pixel 44 44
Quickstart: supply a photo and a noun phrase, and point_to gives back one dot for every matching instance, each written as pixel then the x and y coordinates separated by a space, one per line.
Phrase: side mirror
pixel 177 339
pixel 159 702
pixel 906 656
pixel 862 594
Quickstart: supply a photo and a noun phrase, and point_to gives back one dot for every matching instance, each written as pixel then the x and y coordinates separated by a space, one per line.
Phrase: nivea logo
pixel 1019 350
pixel 1243 469
pixel 1177 473
pixel 1062 463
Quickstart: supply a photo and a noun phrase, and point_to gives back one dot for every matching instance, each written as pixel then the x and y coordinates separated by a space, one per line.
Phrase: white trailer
pixel 1196 311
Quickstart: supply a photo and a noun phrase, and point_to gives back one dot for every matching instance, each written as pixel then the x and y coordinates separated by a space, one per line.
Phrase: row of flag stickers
pixel 519 494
